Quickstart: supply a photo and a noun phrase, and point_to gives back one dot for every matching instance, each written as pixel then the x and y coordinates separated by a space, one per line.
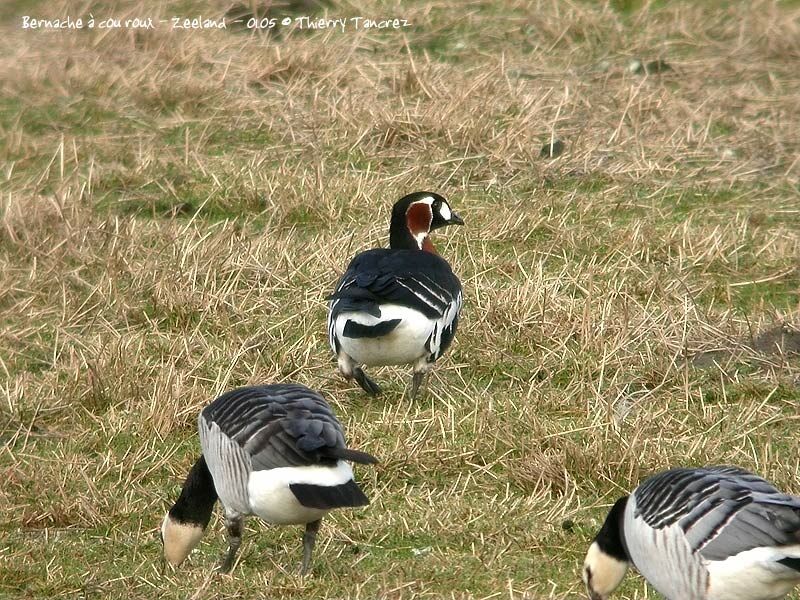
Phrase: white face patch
pixel 179 539
pixel 426 200
pixel 606 572
pixel 445 212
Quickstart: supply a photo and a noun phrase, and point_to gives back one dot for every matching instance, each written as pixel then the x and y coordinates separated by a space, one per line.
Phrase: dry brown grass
pixel 177 205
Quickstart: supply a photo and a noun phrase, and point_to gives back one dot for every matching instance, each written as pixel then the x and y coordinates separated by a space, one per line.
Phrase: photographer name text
pixel 200 22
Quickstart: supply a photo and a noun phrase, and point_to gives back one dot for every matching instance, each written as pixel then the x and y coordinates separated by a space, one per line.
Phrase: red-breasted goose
pixel 397 305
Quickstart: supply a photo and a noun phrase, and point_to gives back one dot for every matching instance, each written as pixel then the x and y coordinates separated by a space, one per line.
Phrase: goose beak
pixel 455 219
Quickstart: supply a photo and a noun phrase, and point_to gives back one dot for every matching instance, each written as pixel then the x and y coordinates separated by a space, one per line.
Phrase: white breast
pixel 272 500
pixel 404 344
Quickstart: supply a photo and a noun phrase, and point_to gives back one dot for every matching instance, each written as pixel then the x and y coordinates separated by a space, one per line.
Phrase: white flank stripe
pixel 753 574
pixel 430 290
pixel 313 474
pixel 415 292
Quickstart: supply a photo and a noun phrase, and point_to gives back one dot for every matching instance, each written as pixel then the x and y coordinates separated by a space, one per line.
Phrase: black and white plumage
pixel 397 305
pixel 713 533
pixel 274 451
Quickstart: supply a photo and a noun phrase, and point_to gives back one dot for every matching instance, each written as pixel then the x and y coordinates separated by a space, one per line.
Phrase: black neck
pixel 611 537
pixel 196 502
pixel 400 237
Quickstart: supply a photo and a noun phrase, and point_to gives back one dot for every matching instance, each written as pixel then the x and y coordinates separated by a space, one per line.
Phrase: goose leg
pixel 369 386
pixel 416 382
pixel 233 525
pixel 309 539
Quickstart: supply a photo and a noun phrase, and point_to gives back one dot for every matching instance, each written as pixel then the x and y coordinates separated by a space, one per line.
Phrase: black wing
pixel 419 280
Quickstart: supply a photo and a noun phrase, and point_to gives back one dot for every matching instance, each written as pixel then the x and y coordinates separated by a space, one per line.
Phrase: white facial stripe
pixel 426 200
pixel 444 210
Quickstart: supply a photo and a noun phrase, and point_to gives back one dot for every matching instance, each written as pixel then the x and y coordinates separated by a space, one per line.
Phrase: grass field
pixel 176 205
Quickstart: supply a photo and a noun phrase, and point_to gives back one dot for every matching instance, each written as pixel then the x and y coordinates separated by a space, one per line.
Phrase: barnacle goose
pixel 713 533
pixel 397 305
pixel 275 451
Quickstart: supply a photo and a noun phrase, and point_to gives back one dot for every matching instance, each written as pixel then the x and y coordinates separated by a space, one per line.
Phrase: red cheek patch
pixel 418 218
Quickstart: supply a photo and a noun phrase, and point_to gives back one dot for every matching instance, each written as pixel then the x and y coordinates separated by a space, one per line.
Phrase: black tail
pixel 329 496
pixel 380 329
pixel 355 456
pixel 792 563
pixel 196 502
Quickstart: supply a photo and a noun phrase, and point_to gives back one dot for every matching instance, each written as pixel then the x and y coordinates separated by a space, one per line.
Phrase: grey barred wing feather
pixel 229 465
pixel 722 510
pixel 298 437
pixel 281 426
pixel 747 521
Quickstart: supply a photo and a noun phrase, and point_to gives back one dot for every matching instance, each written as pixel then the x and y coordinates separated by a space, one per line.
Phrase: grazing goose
pixel 716 533
pixel 397 305
pixel 274 451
